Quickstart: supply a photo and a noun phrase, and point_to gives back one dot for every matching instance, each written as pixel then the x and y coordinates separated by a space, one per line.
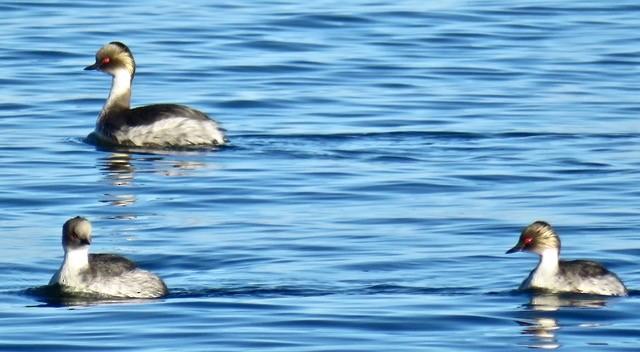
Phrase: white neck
pixel 77 258
pixel 548 260
pixel 120 94
pixel 544 274
pixel 74 261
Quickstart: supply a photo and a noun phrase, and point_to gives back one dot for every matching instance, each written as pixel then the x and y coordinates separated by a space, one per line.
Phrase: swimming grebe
pixel 578 276
pixel 162 125
pixel 103 275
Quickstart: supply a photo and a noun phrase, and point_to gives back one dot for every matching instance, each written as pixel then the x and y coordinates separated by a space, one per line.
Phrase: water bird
pixel 158 125
pixel 554 275
pixel 101 275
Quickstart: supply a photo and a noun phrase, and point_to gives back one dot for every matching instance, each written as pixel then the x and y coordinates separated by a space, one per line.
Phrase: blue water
pixel 383 156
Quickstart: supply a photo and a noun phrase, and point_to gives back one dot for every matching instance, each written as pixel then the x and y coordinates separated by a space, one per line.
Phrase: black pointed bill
pixel 94 66
pixel 517 248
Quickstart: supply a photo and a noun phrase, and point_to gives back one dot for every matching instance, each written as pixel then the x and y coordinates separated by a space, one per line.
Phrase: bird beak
pixel 94 66
pixel 85 242
pixel 517 248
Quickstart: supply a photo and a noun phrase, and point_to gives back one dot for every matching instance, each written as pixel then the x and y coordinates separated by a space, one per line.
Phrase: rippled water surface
pixel 383 156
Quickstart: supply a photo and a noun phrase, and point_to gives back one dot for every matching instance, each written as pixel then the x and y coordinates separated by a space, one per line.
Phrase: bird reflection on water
pixel 541 318
pixel 120 170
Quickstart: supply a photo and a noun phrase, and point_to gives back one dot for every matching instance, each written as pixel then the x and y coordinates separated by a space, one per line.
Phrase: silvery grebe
pixel 159 125
pixel 102 275
pixel 552 274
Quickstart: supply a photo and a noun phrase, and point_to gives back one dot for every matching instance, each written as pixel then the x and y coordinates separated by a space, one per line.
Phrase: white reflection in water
pixel 542 326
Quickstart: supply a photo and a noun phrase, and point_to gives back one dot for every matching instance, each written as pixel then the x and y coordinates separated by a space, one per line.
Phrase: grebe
pixel 102 275
pixel 577 276
pixel 159 125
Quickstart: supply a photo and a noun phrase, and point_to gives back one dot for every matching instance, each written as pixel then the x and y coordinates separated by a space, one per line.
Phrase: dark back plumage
pixel 107 264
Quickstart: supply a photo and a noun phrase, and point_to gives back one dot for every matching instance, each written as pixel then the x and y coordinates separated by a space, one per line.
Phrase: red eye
pixel 75 235
pixel 106 60
pixel 528 240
